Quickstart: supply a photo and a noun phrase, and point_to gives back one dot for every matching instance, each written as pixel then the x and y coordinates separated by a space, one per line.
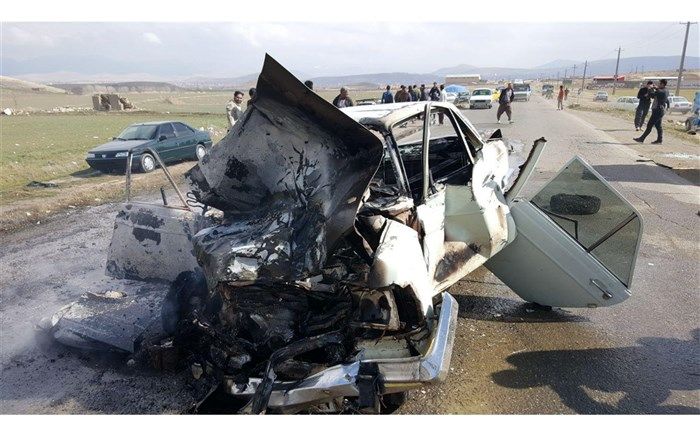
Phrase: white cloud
pixel 151 38
pixel 22 37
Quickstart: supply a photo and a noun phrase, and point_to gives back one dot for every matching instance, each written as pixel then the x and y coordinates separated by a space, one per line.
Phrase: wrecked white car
pixel 313 272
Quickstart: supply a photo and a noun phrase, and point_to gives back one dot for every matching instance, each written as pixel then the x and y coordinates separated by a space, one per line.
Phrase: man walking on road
pixel 387 97
pixel 644 96
pixel 660 96
pixel 504 101
pixel 560 98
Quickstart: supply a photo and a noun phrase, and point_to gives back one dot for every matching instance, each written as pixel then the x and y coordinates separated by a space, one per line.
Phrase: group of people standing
pixel 415 94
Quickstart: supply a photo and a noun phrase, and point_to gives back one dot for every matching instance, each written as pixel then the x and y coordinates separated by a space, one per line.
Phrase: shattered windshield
pixel 139 132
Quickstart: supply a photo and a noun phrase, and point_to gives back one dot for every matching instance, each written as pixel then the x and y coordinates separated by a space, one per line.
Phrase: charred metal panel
pixel 114 320
pixel 151 243
pixel 289 177
pixel 399 261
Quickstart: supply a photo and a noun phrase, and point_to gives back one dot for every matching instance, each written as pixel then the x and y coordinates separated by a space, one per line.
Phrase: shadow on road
pixel 636 173
pixel 510 311
pixel 644 374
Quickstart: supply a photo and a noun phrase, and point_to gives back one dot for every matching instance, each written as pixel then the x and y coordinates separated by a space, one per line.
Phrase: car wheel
pixel 574 204
pixel 200 151
pixel 147 163
pixel 392 402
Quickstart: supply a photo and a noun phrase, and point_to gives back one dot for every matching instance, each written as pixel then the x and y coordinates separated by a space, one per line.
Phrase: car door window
pixel 448 160
pixel 596 216
pixel 182 130
pixel 167 131
pixel 408 135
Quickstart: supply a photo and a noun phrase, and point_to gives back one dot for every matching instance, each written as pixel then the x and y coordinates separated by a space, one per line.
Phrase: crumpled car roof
pixel 289 177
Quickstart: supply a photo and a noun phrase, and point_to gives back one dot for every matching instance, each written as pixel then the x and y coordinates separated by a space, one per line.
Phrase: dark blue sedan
pixel 172 140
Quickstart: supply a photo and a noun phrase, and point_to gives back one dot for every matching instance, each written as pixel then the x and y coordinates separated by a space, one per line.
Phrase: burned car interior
pixel 308 267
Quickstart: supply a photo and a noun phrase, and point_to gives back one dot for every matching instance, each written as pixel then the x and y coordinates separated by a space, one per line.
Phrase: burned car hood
pixel 289 177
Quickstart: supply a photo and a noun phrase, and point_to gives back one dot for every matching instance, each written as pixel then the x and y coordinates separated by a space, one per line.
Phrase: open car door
pixel 576 244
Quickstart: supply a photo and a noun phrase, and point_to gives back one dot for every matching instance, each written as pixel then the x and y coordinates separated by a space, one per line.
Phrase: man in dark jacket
pixel 402 95
pixel 644 96
pixel 434 93
pixel 387 97
pixel 504 101
pixel 658 108
pixel 342 100
pixel 423 93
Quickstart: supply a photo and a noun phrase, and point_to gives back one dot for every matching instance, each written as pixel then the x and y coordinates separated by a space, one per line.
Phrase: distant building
pixel 602 80
pixel 462 79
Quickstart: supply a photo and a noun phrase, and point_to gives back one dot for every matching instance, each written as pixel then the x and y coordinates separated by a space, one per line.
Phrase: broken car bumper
pixel 396 375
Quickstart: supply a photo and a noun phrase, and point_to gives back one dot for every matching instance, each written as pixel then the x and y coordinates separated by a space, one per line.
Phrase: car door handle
pixel 600 286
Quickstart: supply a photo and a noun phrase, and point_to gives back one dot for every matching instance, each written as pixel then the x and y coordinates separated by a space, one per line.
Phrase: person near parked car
pixel 387 96
pixel 434 93
pixel 560 98
pixel 342 100
pixel 410 93
pixel 423 93
pixel 233 108
pixel 644 96
pixel 504 101
pixel 402 95
pixel 658 108
pixel 566 94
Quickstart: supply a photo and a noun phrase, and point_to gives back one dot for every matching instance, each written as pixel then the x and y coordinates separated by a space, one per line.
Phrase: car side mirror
pixel 162 138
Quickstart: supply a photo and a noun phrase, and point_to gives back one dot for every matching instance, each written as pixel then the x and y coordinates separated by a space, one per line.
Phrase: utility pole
pixel 573 75
pixel 566 70
pixel 583 81
pixel 680 69
pixel 617 66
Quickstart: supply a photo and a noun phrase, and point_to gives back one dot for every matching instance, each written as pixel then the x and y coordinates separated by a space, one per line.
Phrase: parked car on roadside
pixel 601 96
pixel 172 140
pixel 481 98
pixel 626 103
pixel 679 104
pixel 326 286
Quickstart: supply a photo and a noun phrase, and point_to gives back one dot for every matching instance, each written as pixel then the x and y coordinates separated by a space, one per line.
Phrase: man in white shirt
pixel 233 108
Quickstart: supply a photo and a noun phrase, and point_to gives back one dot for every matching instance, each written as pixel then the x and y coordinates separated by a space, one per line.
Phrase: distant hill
pixel 117 87
pixel 550 69
pixel 9 83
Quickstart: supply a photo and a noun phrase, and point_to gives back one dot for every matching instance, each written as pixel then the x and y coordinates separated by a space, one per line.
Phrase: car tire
pixel 147 163
pixel 574 204
pixel 199 152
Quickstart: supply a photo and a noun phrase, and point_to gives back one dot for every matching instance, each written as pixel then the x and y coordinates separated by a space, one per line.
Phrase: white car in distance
pixel 626 103
pixel 481 98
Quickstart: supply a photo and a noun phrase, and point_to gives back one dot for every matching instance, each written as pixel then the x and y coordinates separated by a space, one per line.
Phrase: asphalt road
pixel 642 356
pixel 638 357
